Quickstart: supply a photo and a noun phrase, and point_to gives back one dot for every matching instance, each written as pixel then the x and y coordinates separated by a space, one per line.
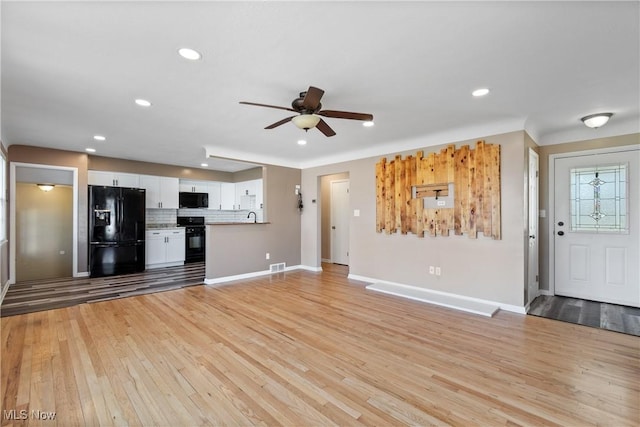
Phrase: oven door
pixel 195 244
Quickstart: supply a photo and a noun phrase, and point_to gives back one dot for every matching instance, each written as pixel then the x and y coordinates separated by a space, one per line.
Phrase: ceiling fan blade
pixel 312 98
pixel 346 115
pixel 281 122
pixel 324 128
pixel 267 105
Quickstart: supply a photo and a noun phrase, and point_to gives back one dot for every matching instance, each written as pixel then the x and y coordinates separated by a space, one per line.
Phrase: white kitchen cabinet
pixel 249 194
pixel 213 188
pixel 161 191
pixel 191 186
pixel 227 196
pixel 113 179
pixel 165 248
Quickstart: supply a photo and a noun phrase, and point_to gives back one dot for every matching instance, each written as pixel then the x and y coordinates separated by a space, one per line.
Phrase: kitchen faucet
pixel 255 217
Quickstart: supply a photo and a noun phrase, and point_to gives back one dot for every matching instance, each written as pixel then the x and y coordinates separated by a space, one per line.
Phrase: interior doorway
pixel 532 255
pixel 334 221
pixel 43 224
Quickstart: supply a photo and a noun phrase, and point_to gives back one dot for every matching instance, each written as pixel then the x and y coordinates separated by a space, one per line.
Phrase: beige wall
pixel 44 232
pixel 483 268
pixel 240 249
pixel 325 208
pixel 548 150
pixel 47 156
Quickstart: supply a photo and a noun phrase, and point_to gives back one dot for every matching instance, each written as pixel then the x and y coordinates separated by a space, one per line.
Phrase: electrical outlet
pixel 438 271
pixel 267 256
pixel 432 269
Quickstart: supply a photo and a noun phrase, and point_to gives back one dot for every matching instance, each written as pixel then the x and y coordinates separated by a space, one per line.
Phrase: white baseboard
pixel 218 280
pixel 5 288
pixel 545 292
pixel 309 268
pixel 82 274
pixel 460 302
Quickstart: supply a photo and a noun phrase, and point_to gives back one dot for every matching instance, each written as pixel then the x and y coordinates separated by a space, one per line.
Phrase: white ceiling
pixel 71 70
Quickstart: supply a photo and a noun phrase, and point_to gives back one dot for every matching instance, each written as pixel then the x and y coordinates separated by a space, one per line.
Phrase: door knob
pixel 560 233
pixel 333 227
pixel 561 223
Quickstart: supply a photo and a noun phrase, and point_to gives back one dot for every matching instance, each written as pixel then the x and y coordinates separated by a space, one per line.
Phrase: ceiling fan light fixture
pixel 594 121
pixel 306 121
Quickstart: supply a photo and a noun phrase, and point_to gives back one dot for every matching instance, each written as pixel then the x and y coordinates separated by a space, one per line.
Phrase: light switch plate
pixel 356 212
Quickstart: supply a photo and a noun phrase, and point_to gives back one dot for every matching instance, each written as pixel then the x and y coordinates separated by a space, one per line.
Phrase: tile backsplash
pixel 169 216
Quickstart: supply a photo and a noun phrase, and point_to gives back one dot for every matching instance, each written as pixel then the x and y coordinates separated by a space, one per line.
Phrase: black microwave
pixel 193 200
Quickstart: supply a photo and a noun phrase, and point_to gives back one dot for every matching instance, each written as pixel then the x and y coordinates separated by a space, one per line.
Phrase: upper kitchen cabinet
pixel 215 202
pixel 227 196
pixel 190 186
pixel 113 179
pixel 249 194
pixel 162 192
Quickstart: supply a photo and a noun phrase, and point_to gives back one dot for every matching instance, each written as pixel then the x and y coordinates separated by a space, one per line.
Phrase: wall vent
pixel 275 268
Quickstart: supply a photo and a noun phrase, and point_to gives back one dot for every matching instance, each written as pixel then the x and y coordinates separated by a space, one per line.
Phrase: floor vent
pixel 275 268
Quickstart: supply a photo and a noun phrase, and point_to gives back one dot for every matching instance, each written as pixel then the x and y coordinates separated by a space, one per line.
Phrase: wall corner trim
pixel 459 302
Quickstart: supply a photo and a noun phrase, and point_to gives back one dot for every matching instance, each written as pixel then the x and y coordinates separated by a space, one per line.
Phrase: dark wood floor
pixel 27 297
pixel 612 317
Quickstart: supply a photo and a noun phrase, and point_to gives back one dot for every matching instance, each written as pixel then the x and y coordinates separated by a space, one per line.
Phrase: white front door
pixel 340 222
pixel 532 264
pixel 597 226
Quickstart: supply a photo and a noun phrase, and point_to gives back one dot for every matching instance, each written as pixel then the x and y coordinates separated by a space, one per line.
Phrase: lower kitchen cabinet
pixel 165 248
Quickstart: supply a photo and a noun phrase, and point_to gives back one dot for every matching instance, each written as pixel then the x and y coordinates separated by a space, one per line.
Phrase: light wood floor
pixel 310 349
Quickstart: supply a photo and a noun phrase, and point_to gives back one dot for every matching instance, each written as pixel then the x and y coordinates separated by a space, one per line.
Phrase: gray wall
pixel 481 268
pixel 240 249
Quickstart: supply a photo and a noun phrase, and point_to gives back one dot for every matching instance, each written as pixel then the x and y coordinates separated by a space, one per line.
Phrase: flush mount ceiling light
pixel 143 102
pixel 306 121
pixel 596 120
pixel 99 138
pixel 204 165
pixel 90 150
pixel 302 142
pixel 368 124
pixel 46 187
pixel 190 54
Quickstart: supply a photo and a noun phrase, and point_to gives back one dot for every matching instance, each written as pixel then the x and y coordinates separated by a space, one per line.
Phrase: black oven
pixel 195 237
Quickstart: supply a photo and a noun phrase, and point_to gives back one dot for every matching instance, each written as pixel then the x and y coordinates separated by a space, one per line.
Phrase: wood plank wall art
pixel 475 174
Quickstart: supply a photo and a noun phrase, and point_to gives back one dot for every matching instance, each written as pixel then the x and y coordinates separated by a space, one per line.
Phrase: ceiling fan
pixel 309 110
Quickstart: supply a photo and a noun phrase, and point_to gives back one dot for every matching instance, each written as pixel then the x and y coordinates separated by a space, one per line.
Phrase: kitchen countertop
pixel 161 226
pixel 237 223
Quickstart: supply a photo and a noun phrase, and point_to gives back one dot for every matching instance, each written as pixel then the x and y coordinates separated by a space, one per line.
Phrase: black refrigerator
pixel 116 230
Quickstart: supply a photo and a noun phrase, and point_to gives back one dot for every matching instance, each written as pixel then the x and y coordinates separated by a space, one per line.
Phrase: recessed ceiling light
pixel 190 54
pixel 204 165
pixel 367 124
pixel 143 102
pixel 90 150
pixel 480 92
pixel 99 137
pixel 302 142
